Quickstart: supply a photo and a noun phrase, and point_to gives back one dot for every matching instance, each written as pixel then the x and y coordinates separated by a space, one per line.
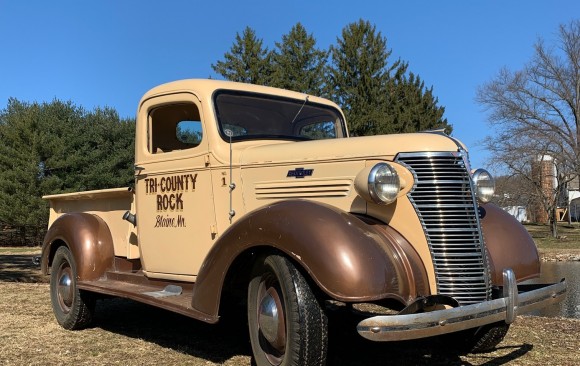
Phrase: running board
pixel 170 299
pixel 169 290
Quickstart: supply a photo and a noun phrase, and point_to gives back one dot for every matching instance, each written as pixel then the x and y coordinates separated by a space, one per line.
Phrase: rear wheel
pixel 287 324
pixel 72 307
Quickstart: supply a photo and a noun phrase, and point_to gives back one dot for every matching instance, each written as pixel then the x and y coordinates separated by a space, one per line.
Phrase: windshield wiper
pixel 300 110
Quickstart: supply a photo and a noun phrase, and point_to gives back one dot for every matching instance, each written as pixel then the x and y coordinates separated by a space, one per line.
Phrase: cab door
pixel 174 198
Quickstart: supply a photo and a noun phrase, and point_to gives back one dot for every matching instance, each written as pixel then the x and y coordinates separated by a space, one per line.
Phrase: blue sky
pixel 110 52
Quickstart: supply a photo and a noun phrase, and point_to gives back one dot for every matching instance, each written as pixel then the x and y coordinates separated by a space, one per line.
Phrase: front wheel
pixel 286 322
pixel 477 340
pixel 487 337
pixel 72 307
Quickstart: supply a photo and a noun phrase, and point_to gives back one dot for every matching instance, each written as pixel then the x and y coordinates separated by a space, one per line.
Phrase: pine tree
pixel 107 147
pixel 414 108
pixel 20 168
pixel 58 147
pixel 360 78
pixel 297 63
pixel 247 61
pixel 377 96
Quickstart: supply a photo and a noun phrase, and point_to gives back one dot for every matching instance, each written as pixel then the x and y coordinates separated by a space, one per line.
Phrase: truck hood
pixel 353 148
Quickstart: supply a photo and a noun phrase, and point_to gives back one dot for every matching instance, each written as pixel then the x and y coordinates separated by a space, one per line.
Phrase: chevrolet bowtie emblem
pixel 300 173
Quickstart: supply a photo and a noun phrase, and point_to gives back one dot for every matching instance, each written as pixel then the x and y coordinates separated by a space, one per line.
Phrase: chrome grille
pixel 445 202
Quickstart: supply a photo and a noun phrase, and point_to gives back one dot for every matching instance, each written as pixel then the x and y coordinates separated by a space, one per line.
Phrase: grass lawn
pixel 20 250
pixel 568 236
pixel 130 333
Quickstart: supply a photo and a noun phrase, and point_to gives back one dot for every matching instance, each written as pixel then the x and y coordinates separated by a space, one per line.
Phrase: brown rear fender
pixel 509 245
pixel 88 238
pixel 349 259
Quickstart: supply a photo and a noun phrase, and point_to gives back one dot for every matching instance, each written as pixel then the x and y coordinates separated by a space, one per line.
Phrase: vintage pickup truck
pixel 258 195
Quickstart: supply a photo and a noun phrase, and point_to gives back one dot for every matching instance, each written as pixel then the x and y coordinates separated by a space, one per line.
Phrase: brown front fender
pixel 509 245
pixel 89 240
pixel 349 259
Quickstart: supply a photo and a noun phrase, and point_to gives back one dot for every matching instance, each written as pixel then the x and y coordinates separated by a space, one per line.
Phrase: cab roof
pixel 206 88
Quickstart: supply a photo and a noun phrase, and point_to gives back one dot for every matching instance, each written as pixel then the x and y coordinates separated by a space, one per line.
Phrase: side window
pixel 189 132
pixel 175 127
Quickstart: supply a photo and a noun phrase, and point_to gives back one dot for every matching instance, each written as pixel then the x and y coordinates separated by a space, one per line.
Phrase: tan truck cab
pixel 258 194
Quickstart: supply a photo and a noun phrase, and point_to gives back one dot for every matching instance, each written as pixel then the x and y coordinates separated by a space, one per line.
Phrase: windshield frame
pixel 300 104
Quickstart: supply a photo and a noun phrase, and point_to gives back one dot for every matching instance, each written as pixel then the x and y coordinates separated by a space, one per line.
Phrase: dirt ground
pixel 129 333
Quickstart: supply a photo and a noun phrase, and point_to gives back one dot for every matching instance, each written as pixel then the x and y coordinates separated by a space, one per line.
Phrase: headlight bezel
pixel 484 185
pixel 382 184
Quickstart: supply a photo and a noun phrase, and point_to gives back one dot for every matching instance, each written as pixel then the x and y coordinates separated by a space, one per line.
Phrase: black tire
pixel 477 340
pixel 296 333
pixel 72 308
pixel 487 337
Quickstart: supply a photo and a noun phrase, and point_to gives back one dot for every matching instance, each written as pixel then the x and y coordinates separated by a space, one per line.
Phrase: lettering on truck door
pixel 174 190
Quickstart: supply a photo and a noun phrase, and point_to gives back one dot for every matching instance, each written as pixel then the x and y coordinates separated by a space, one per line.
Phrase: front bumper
pixel 516 300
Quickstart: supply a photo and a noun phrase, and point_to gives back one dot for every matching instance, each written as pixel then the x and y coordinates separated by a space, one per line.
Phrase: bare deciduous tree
pixel 535 112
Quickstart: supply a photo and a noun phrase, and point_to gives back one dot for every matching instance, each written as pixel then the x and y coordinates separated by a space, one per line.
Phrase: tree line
pixel 377 96
pixel 59 147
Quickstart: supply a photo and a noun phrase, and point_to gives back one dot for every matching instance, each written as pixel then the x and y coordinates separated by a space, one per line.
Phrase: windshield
pixel 260 116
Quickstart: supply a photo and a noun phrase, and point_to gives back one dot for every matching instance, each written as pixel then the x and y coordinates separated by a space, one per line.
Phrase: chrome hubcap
pixel 64 288
pixel 268 318
pixel 271 323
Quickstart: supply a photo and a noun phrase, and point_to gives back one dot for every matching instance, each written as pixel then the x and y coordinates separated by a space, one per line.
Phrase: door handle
pixel 139 170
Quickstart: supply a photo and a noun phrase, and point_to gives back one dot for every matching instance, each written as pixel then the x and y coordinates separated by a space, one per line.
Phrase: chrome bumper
pixel 514 302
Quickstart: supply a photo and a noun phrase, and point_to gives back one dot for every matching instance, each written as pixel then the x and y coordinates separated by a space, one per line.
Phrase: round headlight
pixel 384 184
pixel 484 185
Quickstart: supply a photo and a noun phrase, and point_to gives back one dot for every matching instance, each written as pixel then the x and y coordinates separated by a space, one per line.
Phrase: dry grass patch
pixel 129 333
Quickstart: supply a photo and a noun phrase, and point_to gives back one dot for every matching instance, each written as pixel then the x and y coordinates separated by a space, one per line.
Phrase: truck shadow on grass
pixel 229 338
pixel 428 352
pixel 348 348
pixel 19 268
pixel 215 343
